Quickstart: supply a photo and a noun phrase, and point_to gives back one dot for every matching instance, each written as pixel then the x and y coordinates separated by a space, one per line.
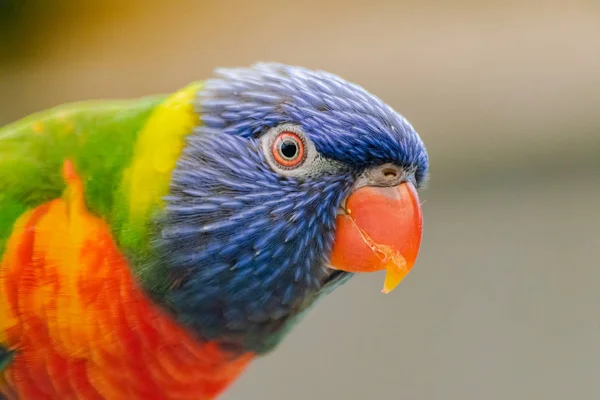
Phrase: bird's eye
pixel 289 150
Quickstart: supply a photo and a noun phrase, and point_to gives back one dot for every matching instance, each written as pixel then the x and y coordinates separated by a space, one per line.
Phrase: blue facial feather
pixel 246 246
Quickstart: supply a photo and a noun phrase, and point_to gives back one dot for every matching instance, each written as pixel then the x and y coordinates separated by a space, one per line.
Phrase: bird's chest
pixel 79 327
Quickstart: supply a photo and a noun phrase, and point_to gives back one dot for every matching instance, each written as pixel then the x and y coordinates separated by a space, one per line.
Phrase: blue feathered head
pixel 254 231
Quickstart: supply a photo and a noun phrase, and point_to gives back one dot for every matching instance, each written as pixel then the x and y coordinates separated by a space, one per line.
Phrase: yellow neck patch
pixel 146 180
pixel 156 152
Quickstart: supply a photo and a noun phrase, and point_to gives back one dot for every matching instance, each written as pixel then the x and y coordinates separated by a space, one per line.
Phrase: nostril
pixel 383 175
pixel 390 173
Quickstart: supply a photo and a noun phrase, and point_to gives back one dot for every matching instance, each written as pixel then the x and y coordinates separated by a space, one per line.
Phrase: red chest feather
pixel 81 327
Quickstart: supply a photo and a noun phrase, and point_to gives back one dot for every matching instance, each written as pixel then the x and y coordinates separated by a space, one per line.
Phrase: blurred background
pixel 504 302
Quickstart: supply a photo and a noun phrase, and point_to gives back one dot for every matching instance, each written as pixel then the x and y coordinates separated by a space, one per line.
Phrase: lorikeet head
pixel 293 181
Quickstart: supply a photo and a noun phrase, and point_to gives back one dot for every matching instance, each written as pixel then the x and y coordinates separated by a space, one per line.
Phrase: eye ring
pixel 288 150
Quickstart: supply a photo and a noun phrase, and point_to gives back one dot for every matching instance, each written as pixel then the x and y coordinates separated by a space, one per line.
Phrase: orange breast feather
pixel 81 327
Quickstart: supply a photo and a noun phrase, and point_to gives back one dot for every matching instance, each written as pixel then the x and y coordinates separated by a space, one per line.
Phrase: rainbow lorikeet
pixel 152 248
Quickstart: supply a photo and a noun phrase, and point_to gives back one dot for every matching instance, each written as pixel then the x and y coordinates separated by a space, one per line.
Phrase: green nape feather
pixel 97 137
pixel 124 150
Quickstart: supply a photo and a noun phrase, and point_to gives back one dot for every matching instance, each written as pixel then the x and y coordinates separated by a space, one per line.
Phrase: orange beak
pixel 381 229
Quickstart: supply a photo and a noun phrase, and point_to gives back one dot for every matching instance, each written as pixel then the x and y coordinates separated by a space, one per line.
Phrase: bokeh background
pixel 504 302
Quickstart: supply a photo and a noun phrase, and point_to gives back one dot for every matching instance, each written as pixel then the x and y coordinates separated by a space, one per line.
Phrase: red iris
pixel 288 149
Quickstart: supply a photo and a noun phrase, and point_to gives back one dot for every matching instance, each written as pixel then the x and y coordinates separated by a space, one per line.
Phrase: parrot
pixel 154 247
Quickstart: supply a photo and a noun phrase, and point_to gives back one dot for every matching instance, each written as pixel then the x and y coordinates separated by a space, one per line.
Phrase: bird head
pixel 293 181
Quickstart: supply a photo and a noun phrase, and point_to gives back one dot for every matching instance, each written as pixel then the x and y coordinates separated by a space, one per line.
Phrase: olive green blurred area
pixel 504 302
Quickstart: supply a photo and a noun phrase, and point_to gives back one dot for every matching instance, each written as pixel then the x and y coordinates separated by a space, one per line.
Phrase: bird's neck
pixel 237 328
pixel 145 181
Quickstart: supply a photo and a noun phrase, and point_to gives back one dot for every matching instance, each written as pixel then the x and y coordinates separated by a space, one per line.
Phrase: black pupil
pixel 289 148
